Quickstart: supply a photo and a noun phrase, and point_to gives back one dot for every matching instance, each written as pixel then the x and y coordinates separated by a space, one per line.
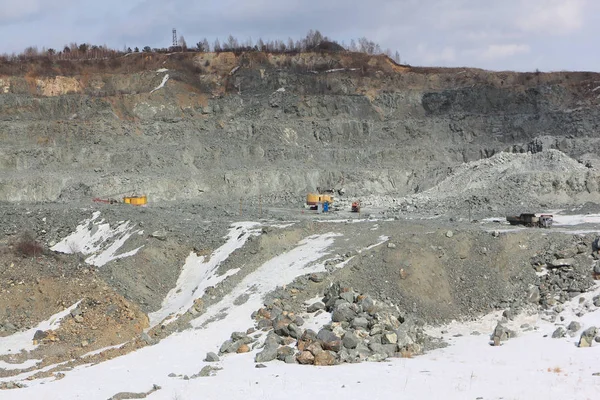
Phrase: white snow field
pixel 96 238
pixel 530 366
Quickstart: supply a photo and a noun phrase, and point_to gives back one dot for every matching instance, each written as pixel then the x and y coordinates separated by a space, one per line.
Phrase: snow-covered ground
pixel 530 366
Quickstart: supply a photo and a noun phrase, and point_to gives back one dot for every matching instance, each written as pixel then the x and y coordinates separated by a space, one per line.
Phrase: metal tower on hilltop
pixel 174 37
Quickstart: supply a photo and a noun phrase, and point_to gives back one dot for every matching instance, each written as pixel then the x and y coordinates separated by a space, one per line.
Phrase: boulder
pixel 284 352
pixel 308 337
pixel 561 262
pixel 574 326
pixel 359 322
pixel 587 337
pixel 389 338
pixel 343 313
pixel 325 358
pixel 229 346
pixel 268 354
pixel 501 334
pixel 281 326
pixel 243 349
pixel 350 341
pixel 294 331
pixel 314 307
pixel 305 358
pixel 560 332
pixel 211 357
pixel 329 340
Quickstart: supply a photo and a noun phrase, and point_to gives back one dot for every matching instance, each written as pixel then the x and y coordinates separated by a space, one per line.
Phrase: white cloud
pixel 444 55
pixel 14 11
pixel 499 51
pixel 552 17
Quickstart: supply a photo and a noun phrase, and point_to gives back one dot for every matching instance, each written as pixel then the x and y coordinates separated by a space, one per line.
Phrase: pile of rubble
pixel 564 274
pixel 361 329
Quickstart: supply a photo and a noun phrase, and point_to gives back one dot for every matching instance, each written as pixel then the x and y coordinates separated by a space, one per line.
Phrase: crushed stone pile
pixel 508 182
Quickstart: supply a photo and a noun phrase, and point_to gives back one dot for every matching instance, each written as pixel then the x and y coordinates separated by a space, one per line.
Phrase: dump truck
pixel 355 206
pixel 531 220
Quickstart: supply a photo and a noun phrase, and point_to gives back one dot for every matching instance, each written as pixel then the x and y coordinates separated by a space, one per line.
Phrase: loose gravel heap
pixel 360 329
pixel 506 182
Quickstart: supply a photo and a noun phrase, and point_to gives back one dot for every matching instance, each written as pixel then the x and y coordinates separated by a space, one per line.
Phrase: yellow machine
pixel 312 199
pixel 136 200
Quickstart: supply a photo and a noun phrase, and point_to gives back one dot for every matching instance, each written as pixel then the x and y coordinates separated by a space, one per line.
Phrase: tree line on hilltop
pixel 314 41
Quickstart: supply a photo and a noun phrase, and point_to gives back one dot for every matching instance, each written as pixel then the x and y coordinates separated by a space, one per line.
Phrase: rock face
pixel 441 119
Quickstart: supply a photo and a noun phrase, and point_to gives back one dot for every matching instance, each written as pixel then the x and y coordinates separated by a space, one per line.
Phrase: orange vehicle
pixel 356 206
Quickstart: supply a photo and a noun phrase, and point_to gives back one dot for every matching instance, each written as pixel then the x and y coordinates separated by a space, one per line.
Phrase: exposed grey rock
pixel 560 332
pixel 587 337
pixel 329 340
pixel 315 307
pixel 501 334
pixel 146 338
pixel 229 346
pixel 348 296
pixel 268 354
pixel 562 262
pixel 350 340
pixel 294 331
pixel 39 335
pixel 284 352
pixel 317 277
pixel 360 322
pixel 208 370
pixel 160 235
pixel 343 313
pixel 389 338
pixel 211 357
pixel 574 326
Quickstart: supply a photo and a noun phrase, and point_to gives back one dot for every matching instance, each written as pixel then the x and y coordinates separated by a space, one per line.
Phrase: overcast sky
pixel 494 34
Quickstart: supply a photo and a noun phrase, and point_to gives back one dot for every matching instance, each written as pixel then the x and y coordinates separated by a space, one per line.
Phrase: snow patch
pixel 276 272
pixel 162 84
pixel 23 341
pixel 198 274
pixel 97 238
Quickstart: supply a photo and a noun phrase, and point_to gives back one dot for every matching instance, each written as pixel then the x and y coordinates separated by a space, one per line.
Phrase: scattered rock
pixel 574 326
pixel 587 337
pixel 211 357
pixel 560 332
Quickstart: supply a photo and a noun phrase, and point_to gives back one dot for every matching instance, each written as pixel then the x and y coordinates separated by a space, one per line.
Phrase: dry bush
pixel 406 353
pixel 27 246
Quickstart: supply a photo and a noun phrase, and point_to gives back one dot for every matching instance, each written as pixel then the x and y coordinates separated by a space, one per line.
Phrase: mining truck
pixel 531 220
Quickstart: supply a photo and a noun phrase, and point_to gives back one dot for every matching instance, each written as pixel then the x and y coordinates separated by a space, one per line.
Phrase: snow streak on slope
pixel 198 274
pixel 278 271
pixel 181 353
pixel 20 341
pixel 162 84
pixel 97 238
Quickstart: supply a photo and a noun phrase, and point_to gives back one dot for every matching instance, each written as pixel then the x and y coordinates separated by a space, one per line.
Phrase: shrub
pixel 27 246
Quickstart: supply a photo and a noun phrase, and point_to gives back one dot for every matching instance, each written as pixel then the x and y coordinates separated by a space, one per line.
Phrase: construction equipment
pixel 136 200
pixel 313 199
pixel 532 220
pixel 356 206
pixel 133 200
